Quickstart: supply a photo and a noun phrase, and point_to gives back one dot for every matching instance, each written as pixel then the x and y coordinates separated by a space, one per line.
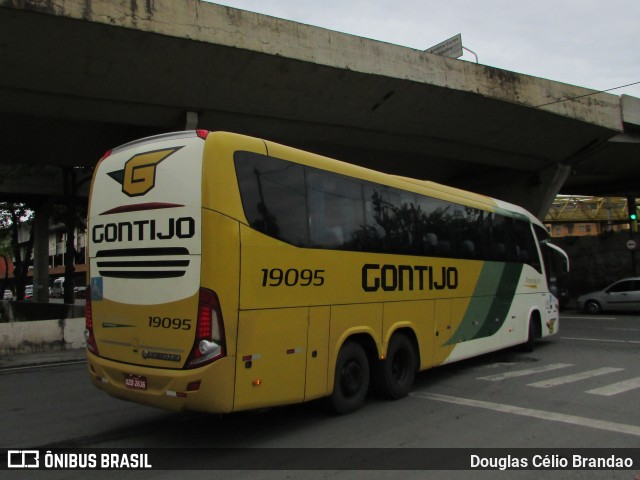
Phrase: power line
pixel 587 95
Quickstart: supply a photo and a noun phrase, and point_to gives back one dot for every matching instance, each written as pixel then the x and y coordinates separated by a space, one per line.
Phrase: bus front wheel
pixel 394 376
pixel 534 333
pixel 351 380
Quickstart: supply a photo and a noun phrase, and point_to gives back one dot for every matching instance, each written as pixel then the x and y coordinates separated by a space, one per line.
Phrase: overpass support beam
pixel 551 181
pixel 536 193
pixel 41 253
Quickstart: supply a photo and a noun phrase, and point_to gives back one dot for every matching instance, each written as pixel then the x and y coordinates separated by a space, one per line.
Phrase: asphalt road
pixel 579 389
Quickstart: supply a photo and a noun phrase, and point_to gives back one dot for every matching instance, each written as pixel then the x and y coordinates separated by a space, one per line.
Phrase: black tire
pixel 593 307
pixel 394 376
pixel 351 380
pixel 534 334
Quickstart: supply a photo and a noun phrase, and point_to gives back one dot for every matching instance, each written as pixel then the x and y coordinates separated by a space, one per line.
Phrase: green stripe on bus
pixel 490 303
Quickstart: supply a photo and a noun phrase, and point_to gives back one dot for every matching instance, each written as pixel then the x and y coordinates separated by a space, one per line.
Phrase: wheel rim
pixel 351 378
pixel 399 368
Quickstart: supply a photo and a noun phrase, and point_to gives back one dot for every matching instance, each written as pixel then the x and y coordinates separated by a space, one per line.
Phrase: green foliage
pixel 13 216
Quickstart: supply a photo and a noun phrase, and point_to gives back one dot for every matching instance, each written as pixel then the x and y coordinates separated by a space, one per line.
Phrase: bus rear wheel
pixel 351 381
pixel 394 376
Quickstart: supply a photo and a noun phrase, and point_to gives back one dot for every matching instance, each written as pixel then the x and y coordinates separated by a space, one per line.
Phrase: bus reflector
pixel 193 386
pixel 171 393
pixel 209 342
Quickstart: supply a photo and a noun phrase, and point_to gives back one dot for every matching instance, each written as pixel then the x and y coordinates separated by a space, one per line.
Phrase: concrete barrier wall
pixel 41 335
pixel 20 311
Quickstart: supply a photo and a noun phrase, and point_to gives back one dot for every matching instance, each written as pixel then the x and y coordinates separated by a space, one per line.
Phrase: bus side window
pixel 434 218
pixel 336 209
pixel 310 207
pixel 526 245
pixel 273 196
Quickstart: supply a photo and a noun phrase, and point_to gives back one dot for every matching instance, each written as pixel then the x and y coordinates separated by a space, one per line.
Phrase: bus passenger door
pixel 271 357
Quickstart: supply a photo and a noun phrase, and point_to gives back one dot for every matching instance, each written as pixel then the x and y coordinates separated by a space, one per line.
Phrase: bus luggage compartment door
pixel 271 357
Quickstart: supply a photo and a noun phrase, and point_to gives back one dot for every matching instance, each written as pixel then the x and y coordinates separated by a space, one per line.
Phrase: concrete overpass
pixel 81 76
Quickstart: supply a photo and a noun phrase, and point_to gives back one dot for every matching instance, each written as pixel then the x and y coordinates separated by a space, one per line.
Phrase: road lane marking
pixel 616 388
pixel 576 377
pixel 600 340
pixel 527 371
pixel 539 414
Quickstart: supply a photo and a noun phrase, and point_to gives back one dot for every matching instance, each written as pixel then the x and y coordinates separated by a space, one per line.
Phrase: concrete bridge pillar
pixel 536 192
pixel 551 181
pixel 41 252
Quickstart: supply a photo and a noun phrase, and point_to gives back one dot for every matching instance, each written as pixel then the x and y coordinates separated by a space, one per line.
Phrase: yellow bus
pixel 230 273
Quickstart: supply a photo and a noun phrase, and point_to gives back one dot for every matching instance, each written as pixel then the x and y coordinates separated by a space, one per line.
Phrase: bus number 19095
pixel 173 323
pixel 274 277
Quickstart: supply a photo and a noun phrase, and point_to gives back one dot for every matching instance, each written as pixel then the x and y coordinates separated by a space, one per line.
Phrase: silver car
pixel 623 295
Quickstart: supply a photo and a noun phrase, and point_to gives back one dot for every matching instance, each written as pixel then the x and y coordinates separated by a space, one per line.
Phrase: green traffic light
pixel 631 209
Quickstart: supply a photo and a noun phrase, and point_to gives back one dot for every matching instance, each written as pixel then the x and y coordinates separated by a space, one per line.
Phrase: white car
pixel 623 295
pixel 58 288
pixel 8 295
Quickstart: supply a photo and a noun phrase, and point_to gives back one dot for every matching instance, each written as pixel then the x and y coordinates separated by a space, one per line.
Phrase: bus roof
pixel 414 185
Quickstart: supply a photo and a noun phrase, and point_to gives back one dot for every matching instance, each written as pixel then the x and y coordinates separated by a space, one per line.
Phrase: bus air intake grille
pixel 143 263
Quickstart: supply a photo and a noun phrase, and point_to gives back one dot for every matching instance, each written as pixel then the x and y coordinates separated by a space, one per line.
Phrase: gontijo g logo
pixel 139 173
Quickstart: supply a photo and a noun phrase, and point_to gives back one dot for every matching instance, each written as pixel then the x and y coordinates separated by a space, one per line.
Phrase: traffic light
pixel 631 208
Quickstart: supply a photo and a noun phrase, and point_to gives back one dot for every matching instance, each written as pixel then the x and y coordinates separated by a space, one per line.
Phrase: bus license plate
pixel 136 382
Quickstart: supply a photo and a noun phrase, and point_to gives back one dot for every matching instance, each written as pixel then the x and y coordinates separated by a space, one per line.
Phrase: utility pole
pixel 632 217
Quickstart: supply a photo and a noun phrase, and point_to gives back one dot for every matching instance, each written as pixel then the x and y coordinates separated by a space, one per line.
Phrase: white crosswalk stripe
pixel 616 388
pixel 534 413
pixel 606 390
pixel 576 377
pixel 528 371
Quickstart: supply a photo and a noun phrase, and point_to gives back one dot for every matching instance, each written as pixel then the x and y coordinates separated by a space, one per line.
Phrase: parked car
pixel 57 291
pixel 623 295
pixel 8 295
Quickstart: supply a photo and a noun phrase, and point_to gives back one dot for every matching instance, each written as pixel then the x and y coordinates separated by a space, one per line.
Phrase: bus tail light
pixel 203 134
pixel 209 344
pixel 88 332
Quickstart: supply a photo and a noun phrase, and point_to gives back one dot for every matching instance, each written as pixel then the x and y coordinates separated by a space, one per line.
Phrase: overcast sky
pixel 590 43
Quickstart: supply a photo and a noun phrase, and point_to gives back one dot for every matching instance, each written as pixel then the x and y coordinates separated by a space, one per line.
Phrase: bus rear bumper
pixel 209 388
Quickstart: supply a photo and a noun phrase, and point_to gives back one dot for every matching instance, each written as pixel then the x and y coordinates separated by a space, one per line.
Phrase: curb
pixel 41 359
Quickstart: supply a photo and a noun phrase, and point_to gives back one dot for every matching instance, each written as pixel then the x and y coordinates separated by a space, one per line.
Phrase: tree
pixel 5 256
pixel 74 217
pixel 13 216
